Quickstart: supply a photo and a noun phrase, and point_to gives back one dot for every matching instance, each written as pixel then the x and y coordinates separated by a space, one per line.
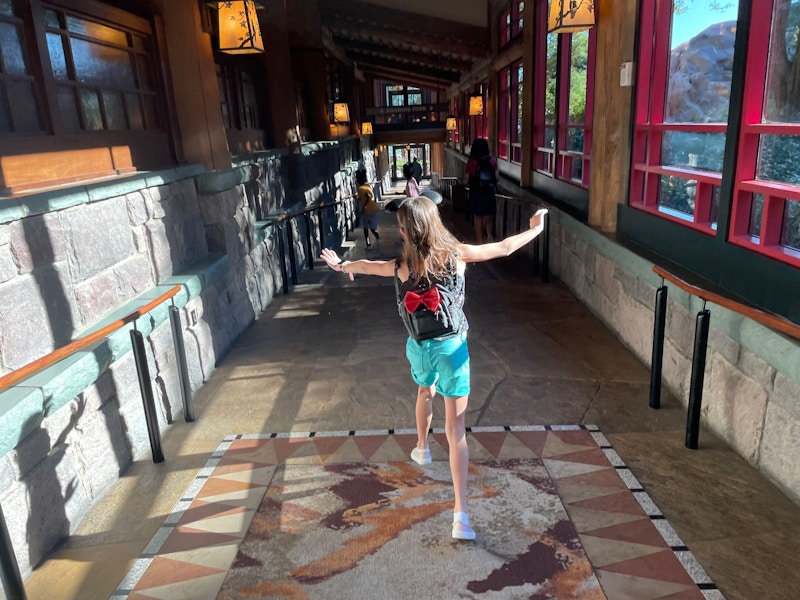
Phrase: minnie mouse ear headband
pixel 433 195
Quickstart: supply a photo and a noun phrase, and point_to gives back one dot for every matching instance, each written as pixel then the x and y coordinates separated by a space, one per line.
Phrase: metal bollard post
pixel 290 247
pixel 657 359
pixel 282 256
pixel 183 369
pixel 146 387
pixel 546 249
pixel 9 569
pixel 309 243
pixel 698 375
pixel 321 227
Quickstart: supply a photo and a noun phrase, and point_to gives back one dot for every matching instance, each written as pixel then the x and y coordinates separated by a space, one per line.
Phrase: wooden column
pixel 527 96
pixel 278 62
pixel 308 63
pixel 613 105
pixel 195 90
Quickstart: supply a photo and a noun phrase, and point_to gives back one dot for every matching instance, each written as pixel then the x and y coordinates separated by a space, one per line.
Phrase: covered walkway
pixel 329 357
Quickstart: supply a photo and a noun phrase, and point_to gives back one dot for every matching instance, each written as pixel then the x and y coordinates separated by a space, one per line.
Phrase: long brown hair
pixel 429 247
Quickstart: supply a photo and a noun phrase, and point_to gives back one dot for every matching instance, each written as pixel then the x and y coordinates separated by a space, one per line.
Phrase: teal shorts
pixel 445 363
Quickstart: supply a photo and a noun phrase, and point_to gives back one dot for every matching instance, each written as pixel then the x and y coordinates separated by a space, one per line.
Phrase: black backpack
pixel 486 173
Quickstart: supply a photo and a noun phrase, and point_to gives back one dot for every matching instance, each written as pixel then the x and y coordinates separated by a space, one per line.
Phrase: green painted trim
pixel 41 203
pixel 23 406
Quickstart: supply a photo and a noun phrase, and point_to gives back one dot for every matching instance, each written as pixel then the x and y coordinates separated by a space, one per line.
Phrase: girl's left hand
pixel 333 261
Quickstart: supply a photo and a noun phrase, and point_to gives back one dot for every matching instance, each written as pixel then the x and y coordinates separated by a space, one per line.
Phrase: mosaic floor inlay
pixel 333 514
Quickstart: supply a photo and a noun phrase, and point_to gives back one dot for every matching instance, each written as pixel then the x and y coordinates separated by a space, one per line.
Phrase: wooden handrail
pixel 773 321
pixel 9 380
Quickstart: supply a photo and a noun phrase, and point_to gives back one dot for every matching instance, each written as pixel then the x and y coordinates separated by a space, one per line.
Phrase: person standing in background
pixel 370 209
pixel 481 175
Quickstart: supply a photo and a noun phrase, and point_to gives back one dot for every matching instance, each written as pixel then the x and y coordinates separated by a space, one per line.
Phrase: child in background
pixel 369 208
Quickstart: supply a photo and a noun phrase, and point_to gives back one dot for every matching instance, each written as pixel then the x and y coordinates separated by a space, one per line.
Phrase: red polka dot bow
pixel 429 299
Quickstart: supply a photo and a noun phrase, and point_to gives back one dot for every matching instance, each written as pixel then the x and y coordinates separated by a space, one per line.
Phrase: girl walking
pixel 429 281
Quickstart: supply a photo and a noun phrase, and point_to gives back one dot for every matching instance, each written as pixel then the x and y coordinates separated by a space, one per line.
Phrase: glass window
pixel 564 67
pixel 765 212
pixel 509 113
pixel 684 90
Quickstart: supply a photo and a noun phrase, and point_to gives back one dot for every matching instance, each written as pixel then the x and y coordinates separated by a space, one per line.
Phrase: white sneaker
pixel 421 457
pixel 461 527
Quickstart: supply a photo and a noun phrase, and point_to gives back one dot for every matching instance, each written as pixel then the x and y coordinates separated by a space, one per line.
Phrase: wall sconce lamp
pixel 450 124
pixel 568 16
pixel 475 105
pixel 366 128
pixel 341 112
pixel 239 32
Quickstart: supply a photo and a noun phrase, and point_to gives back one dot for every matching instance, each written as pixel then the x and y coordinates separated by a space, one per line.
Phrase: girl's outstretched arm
pixel 383 268
pixel 473 253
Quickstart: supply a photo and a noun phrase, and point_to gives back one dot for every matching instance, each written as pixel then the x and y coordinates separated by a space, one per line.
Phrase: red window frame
pixel 504 28
pixel 746 184
pixel 649 128
pixel 557 160
pixel 510 23
pixel 508 109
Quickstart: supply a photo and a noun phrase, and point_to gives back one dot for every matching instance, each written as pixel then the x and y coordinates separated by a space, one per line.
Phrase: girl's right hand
pixel 537 220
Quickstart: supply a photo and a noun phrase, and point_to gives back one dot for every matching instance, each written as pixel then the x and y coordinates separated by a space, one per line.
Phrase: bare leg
pixel 454 423
pixel 489 224
pixel 424 412
pixel 478 224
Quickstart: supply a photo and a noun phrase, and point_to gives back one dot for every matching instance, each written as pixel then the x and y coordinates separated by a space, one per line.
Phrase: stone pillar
pixel 308 63
pixel 194 86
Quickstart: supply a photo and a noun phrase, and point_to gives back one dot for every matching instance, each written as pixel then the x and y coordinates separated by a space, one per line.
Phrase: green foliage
pixel 681 6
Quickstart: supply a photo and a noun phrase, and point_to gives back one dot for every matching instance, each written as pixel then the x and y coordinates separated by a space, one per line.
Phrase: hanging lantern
pixel 366 128
pixel 568 16
pixel 239 32
pixel 475 105
pixel 375 152
pixel 341 112
pixel 450 124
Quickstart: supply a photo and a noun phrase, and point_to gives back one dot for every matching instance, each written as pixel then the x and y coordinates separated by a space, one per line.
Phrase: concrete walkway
pixel 329 356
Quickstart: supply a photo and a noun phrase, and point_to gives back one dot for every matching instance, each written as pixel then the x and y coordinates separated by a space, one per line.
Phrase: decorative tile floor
pixel 634 551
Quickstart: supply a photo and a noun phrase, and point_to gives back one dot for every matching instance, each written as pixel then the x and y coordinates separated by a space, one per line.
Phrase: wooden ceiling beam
pixel 365 61
pixel 419 58
pixel 404 77
pixel 405 27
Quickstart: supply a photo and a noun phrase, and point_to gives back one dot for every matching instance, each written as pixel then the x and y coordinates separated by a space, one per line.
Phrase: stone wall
pixel 83 257
pixel 751 392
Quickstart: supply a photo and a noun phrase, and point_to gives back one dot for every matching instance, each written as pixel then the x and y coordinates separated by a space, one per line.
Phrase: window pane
pixel 576 170
pixel 575 140
pixel 7 8
pixel 414 99
pixel 779 158
pixel 91 110
pixel 145 78
pixel 781 102
pixel 102 65
pixel 578 77
pixel 150 114
pixel 68 108
pixel 5 120
pixel 13 44
pixel 790 235
pixel 756 210
pixel 677 195
pixel 96 31
pixel 134 110
pixel 701 62
pixel 550 80
pixel 691 149
pixel 115 111
pixel 715 194
pixel 25 114
pixel 55 47
pixel 52 20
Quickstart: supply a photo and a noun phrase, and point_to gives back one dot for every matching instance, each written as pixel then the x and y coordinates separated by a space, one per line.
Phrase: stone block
pixel 786 394
pixel 779 454
pixel 734 407
pixel 37 241
pixel 635 327
pixel 190 237
pixel 161 252
pixel 26 323
pixel 138 209
pixel 29 452
pixel 680 327
pixel 96 297
pixel 133 276
pixel 676 371
pixel 724 345
pixel 5 234
pixel 99 236
pixel 757 368
pixel 8 268
pixel 99 449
